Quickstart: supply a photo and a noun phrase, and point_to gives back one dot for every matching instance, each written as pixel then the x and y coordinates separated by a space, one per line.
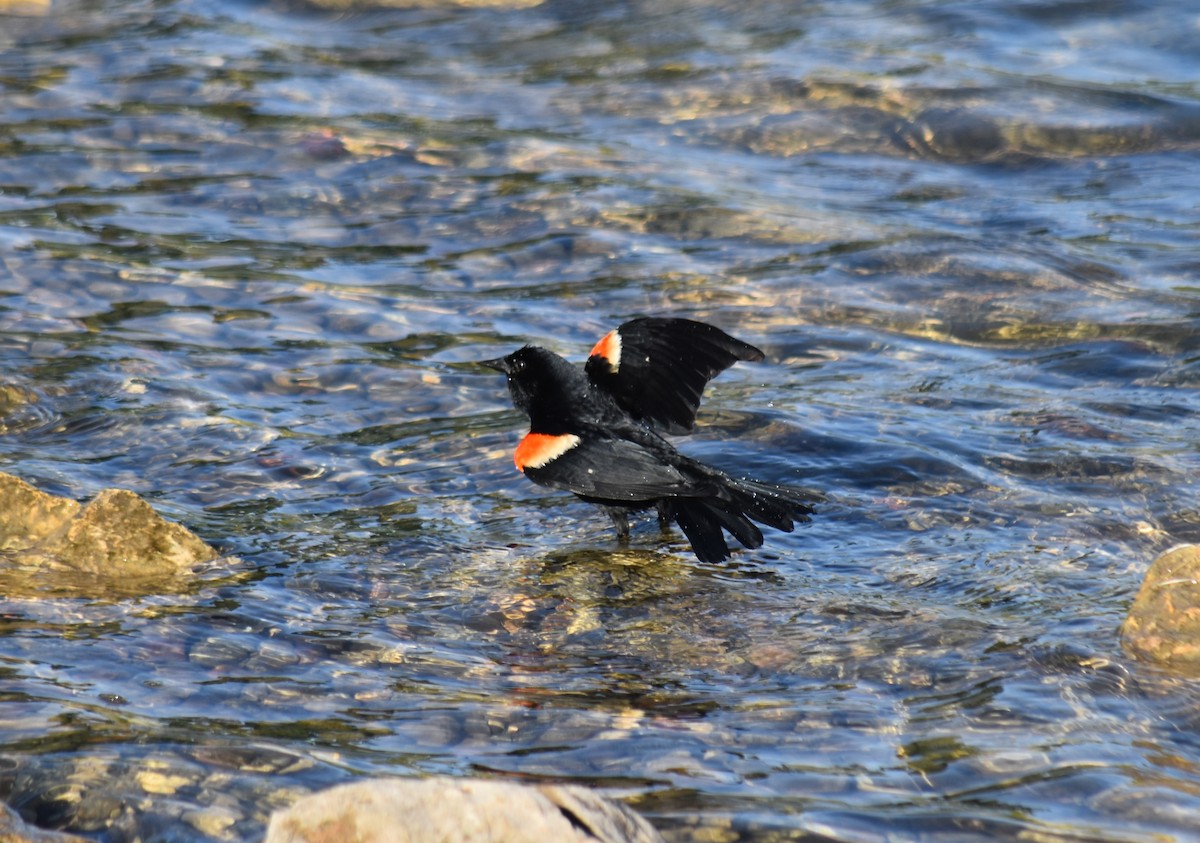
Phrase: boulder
pixel 117 534
pixel 449 810
pixel 1163 624
pixel 29 516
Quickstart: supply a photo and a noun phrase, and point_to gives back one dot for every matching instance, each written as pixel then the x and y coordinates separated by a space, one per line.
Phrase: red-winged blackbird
pixel 595 432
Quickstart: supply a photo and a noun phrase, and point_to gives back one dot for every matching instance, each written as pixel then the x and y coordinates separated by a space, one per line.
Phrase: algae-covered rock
pixel 117 534
pixel 448 810
pixel 1163 624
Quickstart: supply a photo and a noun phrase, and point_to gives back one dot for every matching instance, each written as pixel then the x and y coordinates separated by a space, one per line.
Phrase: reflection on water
pixel 250 253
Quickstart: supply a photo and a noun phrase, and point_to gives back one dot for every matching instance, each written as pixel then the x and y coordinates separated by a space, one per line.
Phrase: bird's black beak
pixel 500 364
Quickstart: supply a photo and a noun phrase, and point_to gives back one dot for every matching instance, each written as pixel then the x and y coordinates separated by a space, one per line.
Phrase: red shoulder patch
pixel 609 349
pixel 538 449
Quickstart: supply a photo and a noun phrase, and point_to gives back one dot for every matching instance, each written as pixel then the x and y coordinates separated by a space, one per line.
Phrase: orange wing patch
pixel 538 449
pixel 609 350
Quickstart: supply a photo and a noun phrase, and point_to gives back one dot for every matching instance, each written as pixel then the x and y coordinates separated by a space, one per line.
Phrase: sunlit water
pixel 249 252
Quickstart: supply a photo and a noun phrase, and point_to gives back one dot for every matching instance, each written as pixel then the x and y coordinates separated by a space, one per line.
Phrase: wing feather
pixel 610 469
pixel 656 368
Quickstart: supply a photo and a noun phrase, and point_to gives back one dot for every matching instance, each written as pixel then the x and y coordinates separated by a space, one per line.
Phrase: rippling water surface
pixel 248 253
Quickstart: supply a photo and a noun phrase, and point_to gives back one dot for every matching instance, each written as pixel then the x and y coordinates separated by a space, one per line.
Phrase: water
pixel 249 252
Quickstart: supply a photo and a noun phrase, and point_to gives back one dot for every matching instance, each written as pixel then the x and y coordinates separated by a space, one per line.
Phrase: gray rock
pixel 448 810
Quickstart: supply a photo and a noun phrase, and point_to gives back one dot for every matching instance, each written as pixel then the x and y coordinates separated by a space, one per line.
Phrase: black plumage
pixel 596 432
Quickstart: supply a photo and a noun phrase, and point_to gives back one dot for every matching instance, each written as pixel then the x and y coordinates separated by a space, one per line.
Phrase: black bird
pixel 596 432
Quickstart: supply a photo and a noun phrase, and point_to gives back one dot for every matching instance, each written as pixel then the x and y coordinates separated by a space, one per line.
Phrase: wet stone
pixel 271 657
pixel 117 534
pixel 21 409
pixel 1163 624
pixel 126 799
pixel 446 810
pixel 218 652
pixel 955 134
pixel 255 759
pixel 15 830
pixel 28 516
pixel 154 781
pixel 214 821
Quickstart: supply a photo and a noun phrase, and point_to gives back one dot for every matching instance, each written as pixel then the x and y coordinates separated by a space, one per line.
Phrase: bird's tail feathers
pixel 772 504
pixel 735 508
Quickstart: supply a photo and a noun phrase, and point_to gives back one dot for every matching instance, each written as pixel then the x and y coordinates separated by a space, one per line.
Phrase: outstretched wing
pixel 656 368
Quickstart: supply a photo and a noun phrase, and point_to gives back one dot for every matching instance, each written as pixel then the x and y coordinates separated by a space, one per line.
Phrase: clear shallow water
pixel 248 254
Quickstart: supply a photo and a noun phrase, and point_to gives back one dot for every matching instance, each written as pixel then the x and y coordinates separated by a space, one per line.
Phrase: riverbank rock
pixel 448 810
pixel 1163 624
pixel 117 534
pixel 14 830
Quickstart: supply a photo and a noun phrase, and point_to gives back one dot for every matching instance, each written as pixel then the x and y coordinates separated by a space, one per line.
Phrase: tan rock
pixel 29 515
pixel 1163 624
pixel 117 534
pixel 448 810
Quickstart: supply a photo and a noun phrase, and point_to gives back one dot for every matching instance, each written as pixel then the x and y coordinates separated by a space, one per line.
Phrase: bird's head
pixel 538 380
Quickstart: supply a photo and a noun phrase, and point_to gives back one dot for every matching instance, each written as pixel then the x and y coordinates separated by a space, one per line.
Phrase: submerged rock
pixel 448 810
pixel 14 830
pixel 117 534
pixel 1163 624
